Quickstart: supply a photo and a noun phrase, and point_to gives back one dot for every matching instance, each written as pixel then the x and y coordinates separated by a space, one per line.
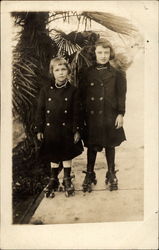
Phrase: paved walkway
pixel 101 205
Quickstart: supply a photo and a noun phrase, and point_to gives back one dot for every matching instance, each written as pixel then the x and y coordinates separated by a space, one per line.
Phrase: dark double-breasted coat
pixel 58 118
pixel 103 95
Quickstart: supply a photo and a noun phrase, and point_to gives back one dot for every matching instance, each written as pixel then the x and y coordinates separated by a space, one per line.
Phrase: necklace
pixel 60 86
pixel 100 68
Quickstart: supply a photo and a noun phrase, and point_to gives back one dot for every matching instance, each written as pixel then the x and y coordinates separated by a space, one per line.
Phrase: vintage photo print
pixel 79 124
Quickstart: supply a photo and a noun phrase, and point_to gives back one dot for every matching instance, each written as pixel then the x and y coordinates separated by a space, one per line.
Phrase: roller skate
pixel 89 179
pixel 111 180
pixel 68 186
pixel 51 188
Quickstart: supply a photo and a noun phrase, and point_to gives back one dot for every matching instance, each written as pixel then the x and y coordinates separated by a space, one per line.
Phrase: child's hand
pixel 76 137
pixel 40 136
pixel 119 121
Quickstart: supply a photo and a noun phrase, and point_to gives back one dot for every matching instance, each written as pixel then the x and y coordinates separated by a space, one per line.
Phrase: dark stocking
pixel 91 158
pixel 67 172
pixel 110 157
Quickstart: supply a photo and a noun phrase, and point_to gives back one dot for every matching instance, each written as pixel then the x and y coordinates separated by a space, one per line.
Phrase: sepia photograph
pixel 79 113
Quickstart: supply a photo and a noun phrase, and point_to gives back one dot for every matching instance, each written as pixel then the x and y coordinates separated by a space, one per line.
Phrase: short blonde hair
pixel 58 61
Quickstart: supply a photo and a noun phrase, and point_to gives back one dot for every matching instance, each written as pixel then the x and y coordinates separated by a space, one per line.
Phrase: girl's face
pixel 102 54
pixel 60 72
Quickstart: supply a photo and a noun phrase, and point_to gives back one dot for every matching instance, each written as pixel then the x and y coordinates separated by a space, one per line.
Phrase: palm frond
pixel 28 89
pixel 64 44
pixel 113 22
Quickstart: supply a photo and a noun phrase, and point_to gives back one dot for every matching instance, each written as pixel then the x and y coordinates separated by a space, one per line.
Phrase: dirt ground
pixel 101 205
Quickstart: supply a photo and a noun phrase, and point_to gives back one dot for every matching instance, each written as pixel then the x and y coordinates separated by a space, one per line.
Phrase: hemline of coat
pixel 58 118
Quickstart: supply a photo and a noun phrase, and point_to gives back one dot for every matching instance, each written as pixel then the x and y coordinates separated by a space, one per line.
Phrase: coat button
pixel 49 99
pixel 66 99
pixel 100 112
pixel 65 111
pixel 92 112
pixel 92 84
pixel 48 124
pixel 101 98
pixel 51 87
pixel 48 111
pixel 63 124
pixel 92 98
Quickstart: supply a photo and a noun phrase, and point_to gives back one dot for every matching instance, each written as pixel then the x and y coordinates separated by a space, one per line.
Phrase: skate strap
pixel 84 172
pixel 69 178
pixel 53 178
pixel 89 173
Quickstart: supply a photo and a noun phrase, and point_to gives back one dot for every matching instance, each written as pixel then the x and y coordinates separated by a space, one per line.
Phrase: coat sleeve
pixel 82 95
pixel 121 84
pixel 40 114
pixel 76 112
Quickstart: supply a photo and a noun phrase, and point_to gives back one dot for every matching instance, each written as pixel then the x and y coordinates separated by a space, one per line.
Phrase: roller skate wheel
pixel 60 189
pixel 73 194
pixel 106 182
pixel 84 189
pixel 95 182
pixel 52 195
pixel 66 194
pixel 47 195
pixel 89 189
pixel 113 187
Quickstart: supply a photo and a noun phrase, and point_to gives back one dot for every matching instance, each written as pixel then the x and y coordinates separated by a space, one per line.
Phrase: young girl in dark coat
pixel 103 93
pixel 58 124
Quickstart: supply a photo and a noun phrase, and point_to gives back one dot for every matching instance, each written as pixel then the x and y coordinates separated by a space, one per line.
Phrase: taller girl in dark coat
pixel 103 93
pixel 58 124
